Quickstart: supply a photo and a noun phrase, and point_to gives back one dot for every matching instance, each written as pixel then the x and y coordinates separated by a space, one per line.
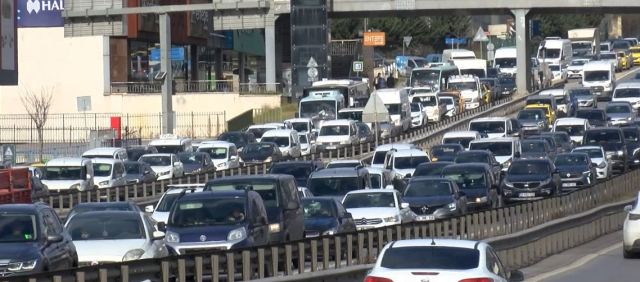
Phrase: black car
pixel 135 152
pixel 139 172
pixel 530 179
pixel 576 170
pixel 430 169
pixel 326 216
pixel 480 156
pixel 102 206
pixel 613 142
pixel 477 182
pixel 435 198
pixel 507 85
pixel 493 72
pixel 537 149
pixel 445 152
pixel 365 134
pixel 196 162
pixel 632 135
pixel 552 141
pixel 239 138
pixel 534 121
pixel 300 170
pixel 563 141
pixel 256 153
pixel 281 199
pixel 32 240
pixel 596 117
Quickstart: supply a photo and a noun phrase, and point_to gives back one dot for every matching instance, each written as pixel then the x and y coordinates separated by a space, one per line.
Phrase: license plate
pixel 331 147
pixel 425 217
pixel 527 195
pixel 364 227
pixel 571 184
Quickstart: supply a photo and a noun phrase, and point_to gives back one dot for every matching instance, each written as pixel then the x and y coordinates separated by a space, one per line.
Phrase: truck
pixel 477 67
pixel 469 87
pixel 15 186
pixel 449 55
pixel 585 41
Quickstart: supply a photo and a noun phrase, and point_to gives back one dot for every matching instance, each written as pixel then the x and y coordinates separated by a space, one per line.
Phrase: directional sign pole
pixel 375 116
pixel 165 66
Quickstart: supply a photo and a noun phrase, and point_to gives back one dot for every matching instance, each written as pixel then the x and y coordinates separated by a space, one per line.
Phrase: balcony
pixel 197 86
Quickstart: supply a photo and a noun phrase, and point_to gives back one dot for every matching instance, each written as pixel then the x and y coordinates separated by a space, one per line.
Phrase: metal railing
pixel 260 88
pixel 344 47
pixel 197 86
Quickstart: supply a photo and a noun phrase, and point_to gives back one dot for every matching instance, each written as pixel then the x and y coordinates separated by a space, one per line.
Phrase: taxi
pixel 635 52
pixel 486 89
pixel 456 96
pixel 551 117
pixel 624 59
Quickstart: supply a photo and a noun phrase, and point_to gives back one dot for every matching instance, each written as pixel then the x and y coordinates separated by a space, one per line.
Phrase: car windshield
pixel 234 137
pixel 446 101
pixel 426 101
pixel 133 168
pixel 190 158
pixel 592 153
pixel 106 228
pixel 431 257
pixel 501 149
pixel 352 115
pixel 323 110
pixel 631 135
pixel 166 202
pixel 531 114
pixel 488 126
pixel 579 62
pixel 466 179
pixel 369 200
pixel 266 188
pixel 581 93
pixel 428 188
pixel 627 93
pixel 335 186
pixel 156 160
pixel 303 139
pixel 378 157
pixel 215 153
pixel 590 115
pixel 433 169
pixel 334 130
pixel 620 45
pixel 18 227
pixel 618 109
pixel 258 132
pixel 464 141
pixel 409 162
pixel 207 212
pixel 258 148
pixel 635 50
pixel 519 168
pixel 559 137
pixel 554 67
pixel 490 82
pixel 425 77
pixel 394 109
pixel 602 136
pixel 471 157
pixel 533 147
pixel 62 173
pixel 97 207
pixel 507 80
pixel 317 208
pixel 376 181
pixel 343 164
pixel 135 154
pixel 444 150
pixel 571 160
pixel 505 62
pixel 101 170
pixel 281 141
pixel 549 53
pixel 298 171
pixel 300 126
pixel 572 130
pixel 596 75
pixel 463 85
pixel 608 56
pixel 170 149
pixel 415 107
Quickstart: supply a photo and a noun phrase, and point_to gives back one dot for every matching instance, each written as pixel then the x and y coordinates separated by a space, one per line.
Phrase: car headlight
pixel 199 170
pixel 75 186
pixel 318 143
pixel 22 266
pixel 237 234
pixel 607 84
pixel 541 123
pixel 268 159
pixel 133 255
pixel 164 173
pixel 274 227
pixel 452 206
pixel 508 184
pixel 602 165
pixel 344 142
pixel 620 153
pixel 506 164
pixel 329 231
pixel 385 130
pixel 629 118
pixel 392 219
pixel 172 237
pixel 546 181
pixel 480 200
pixel 222 164
pixel 103 183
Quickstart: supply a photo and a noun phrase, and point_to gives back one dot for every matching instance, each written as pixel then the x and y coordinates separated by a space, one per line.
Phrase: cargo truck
pixel 15 186
pixel 585 41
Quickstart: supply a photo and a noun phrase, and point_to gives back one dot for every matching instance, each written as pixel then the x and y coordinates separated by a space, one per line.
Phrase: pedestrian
pixel 381 82
pixel 391 81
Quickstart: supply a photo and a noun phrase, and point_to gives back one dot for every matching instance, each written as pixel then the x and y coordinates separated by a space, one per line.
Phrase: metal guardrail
pixel 516 238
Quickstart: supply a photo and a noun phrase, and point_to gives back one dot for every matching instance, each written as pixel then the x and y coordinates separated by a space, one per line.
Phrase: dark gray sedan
pixel 139 172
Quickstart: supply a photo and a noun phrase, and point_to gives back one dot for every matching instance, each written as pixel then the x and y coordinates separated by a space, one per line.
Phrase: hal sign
pixel 40 13
pixel 374 39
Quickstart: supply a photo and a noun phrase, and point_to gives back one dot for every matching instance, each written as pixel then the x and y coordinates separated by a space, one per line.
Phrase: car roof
pixel 336 122
pixel 179 190
pixel 279 132
pixel 192 153
pixel 497 139
pixel 533 141
pixel 467 244
pixel 572 153
pixel 21 208
pixel 349 110
pixel 249 177
pixel 103 150
pixel 336 172
pixel 437 178
pixel 471 152
pixel 104 204
pixel 344 161
pixel 324 198
pixel 483 166
pixel 531 161
pixel 66 161
pixel 490 119
pixel 628 85
pixel 104 161
pixel 157 155
pixel 554 92
pixel 588 147
pixel 110 214
pixel 366 191
pixel 570 120
pixel 399 146
pixel 466 133
pixel 409 153
pixel 615 103
pixel 217 144
pixel 216 194
pixel 438 163
pixel 376 170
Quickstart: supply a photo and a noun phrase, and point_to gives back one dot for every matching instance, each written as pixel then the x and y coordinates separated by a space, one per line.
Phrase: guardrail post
pixel 165 271
pixel 287 260
pixel 247 267
pixel 102 275
pixel 199 264
pixel 314 255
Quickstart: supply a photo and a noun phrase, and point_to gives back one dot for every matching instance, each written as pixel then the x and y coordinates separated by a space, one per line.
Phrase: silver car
pixel 620 113
pixel 585 96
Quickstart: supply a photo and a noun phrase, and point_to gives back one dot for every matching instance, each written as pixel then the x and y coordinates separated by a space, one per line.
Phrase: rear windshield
pixel 431 257
pixel 602 136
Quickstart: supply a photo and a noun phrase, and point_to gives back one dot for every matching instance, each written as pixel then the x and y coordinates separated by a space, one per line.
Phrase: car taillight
pixel 377 279
pixel 483 279
pixel 634 216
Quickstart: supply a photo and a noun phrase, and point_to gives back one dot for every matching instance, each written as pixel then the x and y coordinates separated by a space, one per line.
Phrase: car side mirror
pixel 494 187
pixel 88 176
pixel 404 205
pixel 54 238
pixel 261 221
pixel 149 209
pixel 177 164
pixel 408 175
pixel 592 165
pixel 233 158
pixel 628 208
pixel 347 215
pixel 389 187
pixel 293 205
pixel 516 276
pixel 161 226
pixel 146 172
pixel 516 154
pixel 608 118
pixel 312 142
pixel 158 235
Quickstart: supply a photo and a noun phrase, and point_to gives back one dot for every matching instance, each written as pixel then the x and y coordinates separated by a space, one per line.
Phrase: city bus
pixel 435 77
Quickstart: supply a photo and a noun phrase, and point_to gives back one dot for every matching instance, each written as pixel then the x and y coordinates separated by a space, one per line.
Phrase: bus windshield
pixel 325 109
pixel 425 77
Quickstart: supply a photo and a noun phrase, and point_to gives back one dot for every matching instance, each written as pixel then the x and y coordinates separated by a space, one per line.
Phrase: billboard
pixel 40 13
pixel 199 23
pixel 8 43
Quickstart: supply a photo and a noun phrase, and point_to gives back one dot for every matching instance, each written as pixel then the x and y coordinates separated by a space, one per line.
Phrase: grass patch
pixel 289 110
pixel 271 114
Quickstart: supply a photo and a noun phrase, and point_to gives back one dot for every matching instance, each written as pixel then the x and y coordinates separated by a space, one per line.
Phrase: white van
pixel 493 127
pixel 107 153
pixel 505 149
pixel 108 172
pixel 397 102
pixel 461 137
pixel 575 127
pixel 259 129
pixel 448 55
pixel 300 125
pixel 555 51
pixel 336 134
pixel 628 92
pixel 403 163
pixel 165 165
pixel 477 67
pixel 381 152
pixel 287 140
pixel 600 76
pixel 505 60
pixel 224 155
pixel 172 144
pixel 70 174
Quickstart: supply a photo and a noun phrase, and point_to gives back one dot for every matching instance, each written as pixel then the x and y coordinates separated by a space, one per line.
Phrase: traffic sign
pixel 8 154
pixel 312 73
pixel 312 63
pixel 480 36
pixel 375 110
pixel 407 40
pixel 451 40
pixel 374 39
pixel 490 47
pixel 358 66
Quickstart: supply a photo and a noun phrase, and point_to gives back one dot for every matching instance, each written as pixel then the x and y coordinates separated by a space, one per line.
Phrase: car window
pixel 493 264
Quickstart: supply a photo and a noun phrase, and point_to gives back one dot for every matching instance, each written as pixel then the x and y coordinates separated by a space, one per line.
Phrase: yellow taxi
pixel 626 63
pixel 487 92
pixel 551 117
pixel 635 52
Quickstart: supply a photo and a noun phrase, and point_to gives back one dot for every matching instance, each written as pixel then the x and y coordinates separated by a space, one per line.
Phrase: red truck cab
pixel 15 187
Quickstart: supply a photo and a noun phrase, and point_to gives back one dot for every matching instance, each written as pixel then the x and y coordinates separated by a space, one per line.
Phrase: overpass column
pixel 270 54
pixel 523 51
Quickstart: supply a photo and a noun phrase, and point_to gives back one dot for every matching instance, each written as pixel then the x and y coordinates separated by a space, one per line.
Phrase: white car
pixel 345 163
pixel 115 236
pixel 438 260
pixel 559 75
pixel 223 154
pixel 451 109
pixel 166 166
pixel 574 70
pixel 304 192
pixel 598 157
pixel 307 143
pixel 375 208
pixel 160 212
pixel 631 230
pixel 418 115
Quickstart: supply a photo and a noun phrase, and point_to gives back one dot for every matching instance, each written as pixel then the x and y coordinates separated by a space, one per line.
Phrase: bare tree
pixel 37 105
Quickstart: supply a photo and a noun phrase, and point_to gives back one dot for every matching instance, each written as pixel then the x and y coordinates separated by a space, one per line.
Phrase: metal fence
pixel 197 86
pixel 72 128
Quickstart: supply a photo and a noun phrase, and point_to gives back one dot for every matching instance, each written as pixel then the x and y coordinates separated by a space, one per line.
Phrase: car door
pixel 56 253
pixel 234 161
pixel 208 163
pixel 496 167
pixel 256 230
pixel 147 177
pixel 158 245
pixel 119 174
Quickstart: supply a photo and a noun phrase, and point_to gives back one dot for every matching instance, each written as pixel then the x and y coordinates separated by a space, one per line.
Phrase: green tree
pixel 558 25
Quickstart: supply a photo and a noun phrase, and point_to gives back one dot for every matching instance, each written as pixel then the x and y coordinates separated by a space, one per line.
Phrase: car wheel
pixel 626 254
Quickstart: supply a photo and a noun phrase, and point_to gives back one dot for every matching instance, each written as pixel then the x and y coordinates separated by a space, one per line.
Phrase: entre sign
pixel 374 39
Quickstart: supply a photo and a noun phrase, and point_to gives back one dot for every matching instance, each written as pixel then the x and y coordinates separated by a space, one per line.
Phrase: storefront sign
pixel 199 21
pixel 250 41
pixel 148 22
pixel 40 13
